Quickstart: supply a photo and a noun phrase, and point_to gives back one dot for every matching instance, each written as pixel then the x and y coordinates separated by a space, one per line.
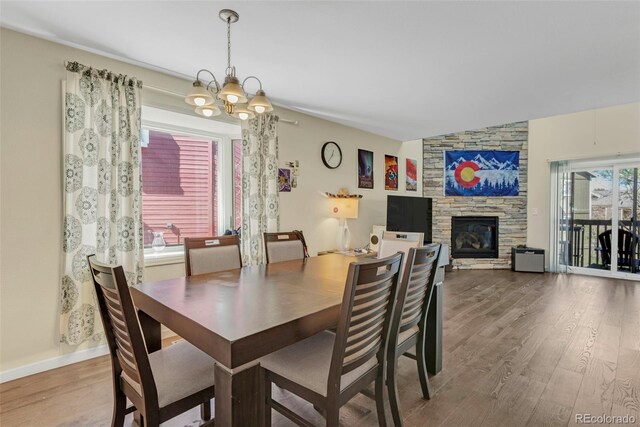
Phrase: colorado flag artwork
pixel 481 173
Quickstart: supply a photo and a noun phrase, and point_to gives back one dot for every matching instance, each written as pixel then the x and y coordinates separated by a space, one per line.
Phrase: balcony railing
pixel 580 246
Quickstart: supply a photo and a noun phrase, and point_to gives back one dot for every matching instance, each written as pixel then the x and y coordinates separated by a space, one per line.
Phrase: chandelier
pixel 231 96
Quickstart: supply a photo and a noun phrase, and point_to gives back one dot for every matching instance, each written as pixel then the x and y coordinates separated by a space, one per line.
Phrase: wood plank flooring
pixel 520 350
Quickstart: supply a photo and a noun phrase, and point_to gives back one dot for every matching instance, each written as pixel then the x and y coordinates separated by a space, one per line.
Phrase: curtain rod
pixel 180 95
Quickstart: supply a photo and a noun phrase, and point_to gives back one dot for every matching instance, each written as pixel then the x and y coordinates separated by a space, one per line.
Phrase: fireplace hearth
pixel 474 237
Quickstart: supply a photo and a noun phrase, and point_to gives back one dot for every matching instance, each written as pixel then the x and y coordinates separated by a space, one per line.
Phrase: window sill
pixel 166 257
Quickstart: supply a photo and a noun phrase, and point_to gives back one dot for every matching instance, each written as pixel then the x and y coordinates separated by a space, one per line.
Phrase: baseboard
pixel 53 363
pixel 63 360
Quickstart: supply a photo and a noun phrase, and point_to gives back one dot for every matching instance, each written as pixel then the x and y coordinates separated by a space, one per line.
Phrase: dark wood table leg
pixel 433 339
pixel 151 331
pixel 239 397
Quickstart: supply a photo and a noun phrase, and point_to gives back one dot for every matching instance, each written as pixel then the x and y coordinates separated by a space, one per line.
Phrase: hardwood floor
pixel 520 350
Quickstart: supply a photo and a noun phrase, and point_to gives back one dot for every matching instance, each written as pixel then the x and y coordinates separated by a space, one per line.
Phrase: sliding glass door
pixel 595 218
pixel 628 231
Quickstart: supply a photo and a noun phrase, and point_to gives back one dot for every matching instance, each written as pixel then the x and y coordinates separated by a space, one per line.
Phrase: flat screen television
pixel 410 214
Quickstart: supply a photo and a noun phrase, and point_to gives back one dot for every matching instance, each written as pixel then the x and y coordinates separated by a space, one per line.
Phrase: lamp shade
pixel 241 112
pixel 260 103
pixel 208 110
pixel 232 92
pixel 344 207
pixel 198 95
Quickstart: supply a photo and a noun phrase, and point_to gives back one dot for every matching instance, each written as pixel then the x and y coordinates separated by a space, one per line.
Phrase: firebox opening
pixel 474 237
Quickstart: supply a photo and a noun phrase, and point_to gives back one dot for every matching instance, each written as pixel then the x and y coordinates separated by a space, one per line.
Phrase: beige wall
pixel 31 193
pixel 306 208
pixel 591 134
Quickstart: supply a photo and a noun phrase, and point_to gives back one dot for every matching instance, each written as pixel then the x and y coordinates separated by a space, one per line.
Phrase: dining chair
pixel 210 254
pixel 162 384
pixel 329 369
pixel 394 241
pixel 285 246
pixel 408 325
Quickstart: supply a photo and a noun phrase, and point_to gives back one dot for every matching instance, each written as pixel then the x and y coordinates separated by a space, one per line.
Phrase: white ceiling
pixel 402 69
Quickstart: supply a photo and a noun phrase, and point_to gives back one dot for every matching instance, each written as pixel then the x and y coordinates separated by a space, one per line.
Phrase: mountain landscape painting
pixel 481 173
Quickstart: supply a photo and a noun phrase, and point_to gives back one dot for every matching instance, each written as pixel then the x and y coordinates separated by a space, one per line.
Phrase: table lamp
pixel 344 208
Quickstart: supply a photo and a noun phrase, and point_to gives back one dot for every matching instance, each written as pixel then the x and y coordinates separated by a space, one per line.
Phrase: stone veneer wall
pixel 511 211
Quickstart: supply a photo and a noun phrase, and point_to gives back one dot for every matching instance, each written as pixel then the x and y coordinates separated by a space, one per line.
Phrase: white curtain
pixel 559 239
pixel 260 197
pixel 102 190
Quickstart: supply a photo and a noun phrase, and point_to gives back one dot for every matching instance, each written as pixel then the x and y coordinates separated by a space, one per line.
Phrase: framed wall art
pixel 365 169
pixel 390 172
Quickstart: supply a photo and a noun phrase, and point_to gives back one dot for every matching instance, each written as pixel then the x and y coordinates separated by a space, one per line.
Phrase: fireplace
pixel 474 237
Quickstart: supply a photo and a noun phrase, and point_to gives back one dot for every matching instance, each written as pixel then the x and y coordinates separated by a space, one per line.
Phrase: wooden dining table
pixel 238 316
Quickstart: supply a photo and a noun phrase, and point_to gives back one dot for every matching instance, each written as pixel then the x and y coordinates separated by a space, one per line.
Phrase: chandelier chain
pixel 229 43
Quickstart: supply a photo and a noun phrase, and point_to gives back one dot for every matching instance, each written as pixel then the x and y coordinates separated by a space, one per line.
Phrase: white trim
pixel 168 256
pixel 225 185
pixel 605 274
pixel 53 363
pixel 64 360
pixel 587 158
pixel 615 213
pixel 586 165
pixel 168 121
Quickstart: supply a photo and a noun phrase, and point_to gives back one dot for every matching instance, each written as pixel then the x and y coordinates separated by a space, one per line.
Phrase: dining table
pixel 238 316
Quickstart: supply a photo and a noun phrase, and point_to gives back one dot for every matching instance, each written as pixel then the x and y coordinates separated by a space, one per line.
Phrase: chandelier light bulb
pixel 207 112
pixel 259 109
pixel 200 101
pixel 232 98
pixel 243 116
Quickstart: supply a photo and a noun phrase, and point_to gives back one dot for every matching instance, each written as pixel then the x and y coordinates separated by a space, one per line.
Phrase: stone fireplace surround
pixel 511 211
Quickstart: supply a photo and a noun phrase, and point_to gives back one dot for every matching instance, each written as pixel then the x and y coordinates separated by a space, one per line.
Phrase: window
pixel 179 187
pixel 191 178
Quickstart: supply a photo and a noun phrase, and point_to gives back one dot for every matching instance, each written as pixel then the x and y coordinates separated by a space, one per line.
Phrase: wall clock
pixel 331 155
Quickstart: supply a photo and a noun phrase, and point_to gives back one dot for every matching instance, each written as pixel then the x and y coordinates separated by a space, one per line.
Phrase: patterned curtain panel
pixel 259 185
pixel 102 191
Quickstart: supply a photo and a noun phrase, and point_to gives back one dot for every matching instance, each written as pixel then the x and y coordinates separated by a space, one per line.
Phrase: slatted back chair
pixel 351 359
pixel 409 319
pixel 366 314
pixel 210 254
pixel 284 246
pixel 133 372
pixel 124 337
pixel 626 243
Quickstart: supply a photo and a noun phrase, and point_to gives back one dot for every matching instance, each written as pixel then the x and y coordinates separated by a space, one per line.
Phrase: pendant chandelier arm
pixel 252 77
pixel 212 81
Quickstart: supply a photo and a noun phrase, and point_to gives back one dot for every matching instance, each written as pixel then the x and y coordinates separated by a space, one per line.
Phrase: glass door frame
pixel 614 165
